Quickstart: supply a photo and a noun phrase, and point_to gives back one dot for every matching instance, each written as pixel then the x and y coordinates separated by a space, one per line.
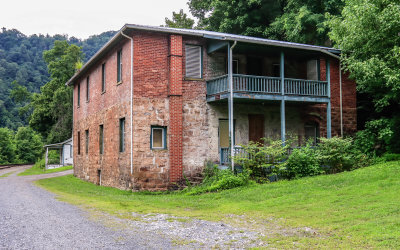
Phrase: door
pixel 256 128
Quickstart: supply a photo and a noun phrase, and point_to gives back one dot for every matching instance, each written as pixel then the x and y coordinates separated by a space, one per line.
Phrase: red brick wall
pixel 348 102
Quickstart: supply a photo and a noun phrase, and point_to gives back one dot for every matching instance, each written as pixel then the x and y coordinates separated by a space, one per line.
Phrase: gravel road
pixel 31 218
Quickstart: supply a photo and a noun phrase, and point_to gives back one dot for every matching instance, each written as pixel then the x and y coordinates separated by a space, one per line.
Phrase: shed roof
pixel 212 35
pixel 59 144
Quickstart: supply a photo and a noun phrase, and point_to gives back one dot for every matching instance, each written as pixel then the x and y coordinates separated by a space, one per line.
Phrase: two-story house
pixel 156 103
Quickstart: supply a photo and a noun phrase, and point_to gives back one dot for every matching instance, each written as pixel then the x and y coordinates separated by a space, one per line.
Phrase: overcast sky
pixel 82 18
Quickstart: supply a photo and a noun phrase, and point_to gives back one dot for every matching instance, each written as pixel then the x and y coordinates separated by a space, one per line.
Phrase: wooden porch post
pixel 47 158
pixel 283 125
pixel 328 106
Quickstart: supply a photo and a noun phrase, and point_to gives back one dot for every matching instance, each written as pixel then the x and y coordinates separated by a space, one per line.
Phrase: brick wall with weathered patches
pixel 103 109
pixel 317 113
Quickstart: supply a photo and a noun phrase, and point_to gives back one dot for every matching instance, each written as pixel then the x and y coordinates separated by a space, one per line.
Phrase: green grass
pixel 35 169
pixel 358 209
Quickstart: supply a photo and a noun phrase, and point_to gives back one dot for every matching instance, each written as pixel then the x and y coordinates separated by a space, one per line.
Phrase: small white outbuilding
pixel 66 157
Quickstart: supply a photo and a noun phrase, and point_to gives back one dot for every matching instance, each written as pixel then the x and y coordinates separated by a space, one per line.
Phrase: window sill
pixel 159 149
pixel 119 83
pixel 103 92
pixel 87 101
pixel 193 79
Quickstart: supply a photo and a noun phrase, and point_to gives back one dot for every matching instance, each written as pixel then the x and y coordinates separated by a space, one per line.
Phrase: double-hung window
pixel 122 135
pixel 87 141
pixel 87 89
pixel 119 66
pixel 158 137
pixel 103 78
pixel 101 139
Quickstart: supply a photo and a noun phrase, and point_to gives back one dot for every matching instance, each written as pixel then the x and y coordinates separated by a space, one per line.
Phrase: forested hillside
pixel 21 60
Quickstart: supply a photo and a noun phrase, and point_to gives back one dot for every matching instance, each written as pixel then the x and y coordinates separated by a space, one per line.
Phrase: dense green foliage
pixel 21 60
pixel 29 145
pixel 302 162
pixel 216 179
pixel 368 33
pixel 7 146
pixel 290 20
pixel 52 107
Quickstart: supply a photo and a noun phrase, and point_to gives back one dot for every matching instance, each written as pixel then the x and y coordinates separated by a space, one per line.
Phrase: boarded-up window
pixel 158 137
pixel 193 61
pixel 312 70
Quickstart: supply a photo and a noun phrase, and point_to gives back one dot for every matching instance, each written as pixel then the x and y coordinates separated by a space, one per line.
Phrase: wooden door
pixel 256 128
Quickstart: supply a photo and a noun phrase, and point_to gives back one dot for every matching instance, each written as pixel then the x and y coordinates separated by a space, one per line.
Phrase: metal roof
pixel 58 145
pixel 205 34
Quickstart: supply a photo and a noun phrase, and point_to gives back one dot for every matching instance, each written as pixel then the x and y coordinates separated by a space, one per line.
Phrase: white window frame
pixel 163 145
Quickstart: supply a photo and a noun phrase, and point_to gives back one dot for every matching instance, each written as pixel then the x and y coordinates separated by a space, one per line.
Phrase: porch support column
pixel 47 158
pixel 230 105
pixel 328 106
pixel 283 124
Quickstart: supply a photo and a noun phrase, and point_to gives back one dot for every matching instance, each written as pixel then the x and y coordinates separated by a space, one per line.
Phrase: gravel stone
pixel 31 218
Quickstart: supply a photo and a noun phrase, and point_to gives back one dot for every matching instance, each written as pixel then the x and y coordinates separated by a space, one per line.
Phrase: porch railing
pixel 267 85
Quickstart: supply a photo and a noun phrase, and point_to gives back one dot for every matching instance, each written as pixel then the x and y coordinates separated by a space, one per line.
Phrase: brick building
pixel 155 102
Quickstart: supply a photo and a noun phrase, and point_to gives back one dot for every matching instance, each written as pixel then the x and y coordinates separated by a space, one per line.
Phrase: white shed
pixel 66 157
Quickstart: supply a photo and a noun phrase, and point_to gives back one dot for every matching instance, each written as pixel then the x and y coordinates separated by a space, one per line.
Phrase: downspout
pixel 341 99
pixel 231 105
pixel 131 151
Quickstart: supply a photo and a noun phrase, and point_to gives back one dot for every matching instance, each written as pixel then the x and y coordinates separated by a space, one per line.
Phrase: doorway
pixel 256 128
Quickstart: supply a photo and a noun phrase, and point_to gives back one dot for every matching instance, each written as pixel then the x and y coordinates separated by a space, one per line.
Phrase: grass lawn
pixel 359 209
pixel 35 169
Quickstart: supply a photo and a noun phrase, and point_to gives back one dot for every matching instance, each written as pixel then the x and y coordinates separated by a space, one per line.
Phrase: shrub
pixel 262 159
pixel 7 146
pixel 340 154
pixel 29 145
pixel 302 162
pixel 217 179
pixel 391 157
pixel 376 138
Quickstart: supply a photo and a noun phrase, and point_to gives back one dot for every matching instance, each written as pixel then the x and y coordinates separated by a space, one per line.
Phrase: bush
pixel 217 179
pixel 261 160
pixel 301 163
pixel 391 157
pixel 29 145
pixel 376 138
pixel 340 155
pixel 7 146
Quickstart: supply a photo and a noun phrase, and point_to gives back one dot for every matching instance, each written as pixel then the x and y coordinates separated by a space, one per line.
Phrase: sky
pixel 82 18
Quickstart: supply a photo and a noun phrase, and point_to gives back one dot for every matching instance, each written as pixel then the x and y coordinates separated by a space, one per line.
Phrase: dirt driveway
pixel 31 218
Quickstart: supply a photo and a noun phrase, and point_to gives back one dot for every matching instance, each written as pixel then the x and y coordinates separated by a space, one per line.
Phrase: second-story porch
pixel 254 72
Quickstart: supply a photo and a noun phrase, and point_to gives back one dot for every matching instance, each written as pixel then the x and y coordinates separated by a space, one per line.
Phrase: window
pixel 312 70
pixel 119 65
pixel 103 77
pixel 87 89
pixel 193 61
pixel 158 139
pixel 122 135
pixel 70 151
pixel 87 141
pixel 235 67
pixel 79 94
pixel 79 143
pixel 101 139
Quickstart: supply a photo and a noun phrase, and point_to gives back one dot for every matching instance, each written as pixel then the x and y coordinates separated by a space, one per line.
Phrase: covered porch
pixel 280 77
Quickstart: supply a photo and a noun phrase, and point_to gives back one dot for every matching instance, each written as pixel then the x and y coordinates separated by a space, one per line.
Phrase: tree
pixel 7 146
pixel 368 34
pixel 52 113
pixel 289 20
pixel 179 20
pixel 29 145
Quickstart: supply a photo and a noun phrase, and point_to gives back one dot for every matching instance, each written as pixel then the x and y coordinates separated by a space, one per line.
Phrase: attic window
pixel 193 61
